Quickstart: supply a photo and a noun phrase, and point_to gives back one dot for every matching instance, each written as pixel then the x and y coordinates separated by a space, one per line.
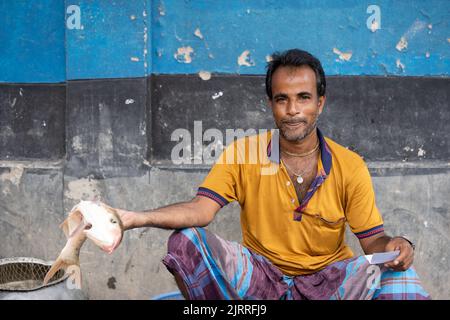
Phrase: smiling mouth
pixel 294 124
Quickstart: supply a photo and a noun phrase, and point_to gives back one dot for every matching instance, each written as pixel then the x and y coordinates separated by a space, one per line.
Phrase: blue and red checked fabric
pixel 213 268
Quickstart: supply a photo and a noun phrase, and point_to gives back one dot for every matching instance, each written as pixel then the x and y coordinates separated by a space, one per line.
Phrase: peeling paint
pixel 147 163
pixel 217 95
pixel 204 75
pixel 374 26
pixel 198 33
pixel 244 59
pixel 402 44
pixel 421 152
pixel 135 59
pixel 132 17
pixel 183 54
pixel 145 49
pixel 407 149
pixel 14 175
pixel 129 101
pixel 345 56
pixel 400 65
pixel 161 10
pixel 427 54
pixel 269 58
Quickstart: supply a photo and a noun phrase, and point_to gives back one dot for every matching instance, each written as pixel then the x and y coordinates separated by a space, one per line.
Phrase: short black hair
pixel 295 58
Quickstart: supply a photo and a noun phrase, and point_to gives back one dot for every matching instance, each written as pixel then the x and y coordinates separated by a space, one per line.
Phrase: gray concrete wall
pixel 35 196
pixel 112 139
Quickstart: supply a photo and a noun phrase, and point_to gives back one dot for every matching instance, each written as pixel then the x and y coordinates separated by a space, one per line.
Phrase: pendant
pixel 299 179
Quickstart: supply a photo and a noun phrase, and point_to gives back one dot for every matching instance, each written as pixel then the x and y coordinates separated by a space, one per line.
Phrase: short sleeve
pixel 222 184
pixel 361 211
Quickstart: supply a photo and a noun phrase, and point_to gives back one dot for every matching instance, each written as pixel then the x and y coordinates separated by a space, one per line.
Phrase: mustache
pixel 294 121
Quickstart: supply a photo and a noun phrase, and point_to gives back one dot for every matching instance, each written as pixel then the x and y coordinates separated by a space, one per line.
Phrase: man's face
pixel 295 104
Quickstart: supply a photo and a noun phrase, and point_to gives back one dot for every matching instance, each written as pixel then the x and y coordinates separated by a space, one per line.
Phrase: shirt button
pixel 288 183
pixel 293 200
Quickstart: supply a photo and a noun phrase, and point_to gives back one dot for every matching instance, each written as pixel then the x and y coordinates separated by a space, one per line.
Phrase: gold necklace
pixel 302 154
pixel 298 175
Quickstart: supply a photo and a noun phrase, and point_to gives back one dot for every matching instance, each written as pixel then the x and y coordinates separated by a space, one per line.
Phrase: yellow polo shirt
pixel 298 237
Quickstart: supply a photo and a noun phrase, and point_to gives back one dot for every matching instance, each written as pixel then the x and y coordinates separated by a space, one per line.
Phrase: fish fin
pixel 75 215
pixel 65 227
pixel 72 223
pixel 56 266
pixel 81 226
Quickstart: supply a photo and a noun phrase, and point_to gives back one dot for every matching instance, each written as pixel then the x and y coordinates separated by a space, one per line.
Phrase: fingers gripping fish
pixel 88 219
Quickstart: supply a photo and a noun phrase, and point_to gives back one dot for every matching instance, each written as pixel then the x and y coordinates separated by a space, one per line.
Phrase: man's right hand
pixel 128 218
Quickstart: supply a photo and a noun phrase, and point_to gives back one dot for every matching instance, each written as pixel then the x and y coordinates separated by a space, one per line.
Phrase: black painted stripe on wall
pixel 382 118
pixel 32 121
pixel 111 127
pixel 107 127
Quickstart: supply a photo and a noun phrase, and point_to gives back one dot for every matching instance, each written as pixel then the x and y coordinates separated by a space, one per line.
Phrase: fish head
pixel 104 227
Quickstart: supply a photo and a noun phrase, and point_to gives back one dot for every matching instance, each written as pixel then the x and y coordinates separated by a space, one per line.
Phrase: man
pixel 296 200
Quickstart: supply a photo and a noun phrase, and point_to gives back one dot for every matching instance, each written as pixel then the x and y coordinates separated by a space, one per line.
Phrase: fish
pixel 92 220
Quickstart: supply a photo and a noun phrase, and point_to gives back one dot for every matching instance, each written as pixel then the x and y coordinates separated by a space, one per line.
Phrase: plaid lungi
pixel 213 268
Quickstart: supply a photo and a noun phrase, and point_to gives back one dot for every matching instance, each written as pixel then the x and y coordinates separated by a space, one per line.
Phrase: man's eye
pixel 113 221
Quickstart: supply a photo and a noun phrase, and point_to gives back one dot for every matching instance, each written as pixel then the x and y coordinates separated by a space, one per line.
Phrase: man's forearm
pixel 378 245
pixel 174 216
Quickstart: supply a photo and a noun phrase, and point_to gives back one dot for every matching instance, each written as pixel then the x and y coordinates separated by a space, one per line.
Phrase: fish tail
pixel 56 266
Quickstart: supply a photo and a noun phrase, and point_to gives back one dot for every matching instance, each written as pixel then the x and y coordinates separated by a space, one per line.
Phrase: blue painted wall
pixel 32 41
pixel 319 26
pixel 110 40
pixel 47 41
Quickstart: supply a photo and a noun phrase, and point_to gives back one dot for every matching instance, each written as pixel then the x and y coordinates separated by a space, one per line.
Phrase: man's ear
pixel 322 100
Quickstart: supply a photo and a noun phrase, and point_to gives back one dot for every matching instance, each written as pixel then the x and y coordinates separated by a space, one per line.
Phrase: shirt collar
pixel 273 150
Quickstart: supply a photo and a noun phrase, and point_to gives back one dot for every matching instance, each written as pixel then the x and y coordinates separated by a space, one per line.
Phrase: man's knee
pixel 179 240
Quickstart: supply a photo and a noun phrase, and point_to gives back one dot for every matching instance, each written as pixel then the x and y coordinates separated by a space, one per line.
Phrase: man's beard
pixel 295 135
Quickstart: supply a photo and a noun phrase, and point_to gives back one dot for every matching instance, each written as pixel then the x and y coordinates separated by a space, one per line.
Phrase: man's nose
pixel 292 109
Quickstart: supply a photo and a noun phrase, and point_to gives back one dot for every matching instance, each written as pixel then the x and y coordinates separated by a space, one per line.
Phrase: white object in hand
pixel 382 257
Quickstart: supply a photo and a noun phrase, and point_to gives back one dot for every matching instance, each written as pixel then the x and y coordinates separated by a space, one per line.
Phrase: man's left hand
pixel 406 256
